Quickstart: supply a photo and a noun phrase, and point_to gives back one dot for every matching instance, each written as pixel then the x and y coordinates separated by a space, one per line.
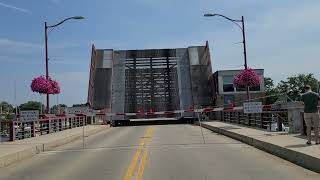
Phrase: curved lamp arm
pixel 232 20
pixel 74 17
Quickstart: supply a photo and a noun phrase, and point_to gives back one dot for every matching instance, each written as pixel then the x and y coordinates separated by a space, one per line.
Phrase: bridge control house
pixel 225 93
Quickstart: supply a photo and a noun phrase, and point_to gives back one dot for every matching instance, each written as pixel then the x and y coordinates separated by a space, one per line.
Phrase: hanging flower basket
pixel 45 86
pixel 40 85
pixel 55 88
pixel 247 78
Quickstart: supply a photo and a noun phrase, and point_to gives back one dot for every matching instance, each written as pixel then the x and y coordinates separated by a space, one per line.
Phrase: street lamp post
pixel 236 22
pixel 46 27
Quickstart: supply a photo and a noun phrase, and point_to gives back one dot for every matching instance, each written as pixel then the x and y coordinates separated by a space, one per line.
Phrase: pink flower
pixel 247 78
pixel 45 86
pixel 54 88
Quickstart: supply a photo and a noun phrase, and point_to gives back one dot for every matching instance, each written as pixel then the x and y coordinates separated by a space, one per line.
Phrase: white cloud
pixel 64 45
pixel 13 47
pixel 286 42
pixel 67 61
pixel 15 8
pixel 17 60
pixel 283 41
pixel 73 87
pixel 18 44
pixel 22 44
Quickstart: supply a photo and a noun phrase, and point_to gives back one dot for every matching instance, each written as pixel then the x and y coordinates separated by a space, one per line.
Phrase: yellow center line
pixel 142 164
pixel 141 150
pixel 133 165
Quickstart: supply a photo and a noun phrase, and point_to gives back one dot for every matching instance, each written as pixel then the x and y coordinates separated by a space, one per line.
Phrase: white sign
pixel 78 110
pixel 252 107
pixel 27 116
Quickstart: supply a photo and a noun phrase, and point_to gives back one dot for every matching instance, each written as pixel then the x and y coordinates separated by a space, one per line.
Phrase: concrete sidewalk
pixel 12 152
pixel 291 147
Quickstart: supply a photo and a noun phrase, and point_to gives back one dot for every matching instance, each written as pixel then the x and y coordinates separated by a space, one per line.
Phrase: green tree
pixel 80 105
pixel 6 107
pixel 32 105
pixel 271 91
pixel 54 109
pixel 293 86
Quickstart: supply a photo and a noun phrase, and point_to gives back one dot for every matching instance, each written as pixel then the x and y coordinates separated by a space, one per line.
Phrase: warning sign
pixel 27 116
pixel 252 107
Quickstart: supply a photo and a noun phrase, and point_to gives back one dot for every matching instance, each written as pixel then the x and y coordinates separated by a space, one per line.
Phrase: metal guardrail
pixel 16 130
pixel 272 120
pixel 4 130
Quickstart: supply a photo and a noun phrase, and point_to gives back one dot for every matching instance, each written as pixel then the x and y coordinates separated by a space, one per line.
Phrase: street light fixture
pixel 46 27
pixel 78 17
pixel 236 22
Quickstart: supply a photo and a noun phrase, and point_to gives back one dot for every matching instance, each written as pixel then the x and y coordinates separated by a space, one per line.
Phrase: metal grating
pixel 151 84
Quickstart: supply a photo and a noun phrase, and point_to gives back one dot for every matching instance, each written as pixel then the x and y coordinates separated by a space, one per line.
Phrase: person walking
pixel 311 113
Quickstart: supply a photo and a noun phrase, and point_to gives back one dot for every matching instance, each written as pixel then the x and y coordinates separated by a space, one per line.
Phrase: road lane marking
pixel 140 155
pixel 142 164
pixel 133 165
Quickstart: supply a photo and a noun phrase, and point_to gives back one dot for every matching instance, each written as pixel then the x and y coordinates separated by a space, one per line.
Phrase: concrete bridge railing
pixel 16 130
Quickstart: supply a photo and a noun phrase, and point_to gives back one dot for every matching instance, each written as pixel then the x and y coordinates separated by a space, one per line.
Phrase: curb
pixel 36 149
pixel 300 159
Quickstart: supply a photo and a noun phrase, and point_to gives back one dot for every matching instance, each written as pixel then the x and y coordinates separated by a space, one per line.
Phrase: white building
pixel 224 92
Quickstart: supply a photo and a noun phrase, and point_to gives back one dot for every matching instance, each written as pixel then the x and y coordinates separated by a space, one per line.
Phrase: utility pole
pixel 245 54
pixel 47 68
pixel 46 27
pixel 236 22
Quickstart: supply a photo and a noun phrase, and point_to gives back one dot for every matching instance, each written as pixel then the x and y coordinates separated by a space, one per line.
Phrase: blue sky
pixel 282 36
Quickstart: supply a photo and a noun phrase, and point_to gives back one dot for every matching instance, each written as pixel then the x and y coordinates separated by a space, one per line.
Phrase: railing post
pixel 49 126
pixel 33 129
pixel 279 123
pixel 12 131
pixel 40 126
pixel 59 125
pixel 261 120
pixel 77 121
pixel 23 130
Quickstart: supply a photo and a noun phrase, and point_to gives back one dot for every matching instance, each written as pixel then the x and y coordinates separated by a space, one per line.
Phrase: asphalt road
pixel 162 152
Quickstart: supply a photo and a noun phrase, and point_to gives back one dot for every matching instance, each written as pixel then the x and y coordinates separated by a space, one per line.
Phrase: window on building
pixel 257 88
pixel 228 84
pixel 240 89
pixel 229 100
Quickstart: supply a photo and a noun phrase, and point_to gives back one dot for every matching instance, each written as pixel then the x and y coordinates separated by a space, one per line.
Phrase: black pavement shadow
pixel 297 146
pixel 305 137
pixel 229 127
pixel 301 136
pixel 158 122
